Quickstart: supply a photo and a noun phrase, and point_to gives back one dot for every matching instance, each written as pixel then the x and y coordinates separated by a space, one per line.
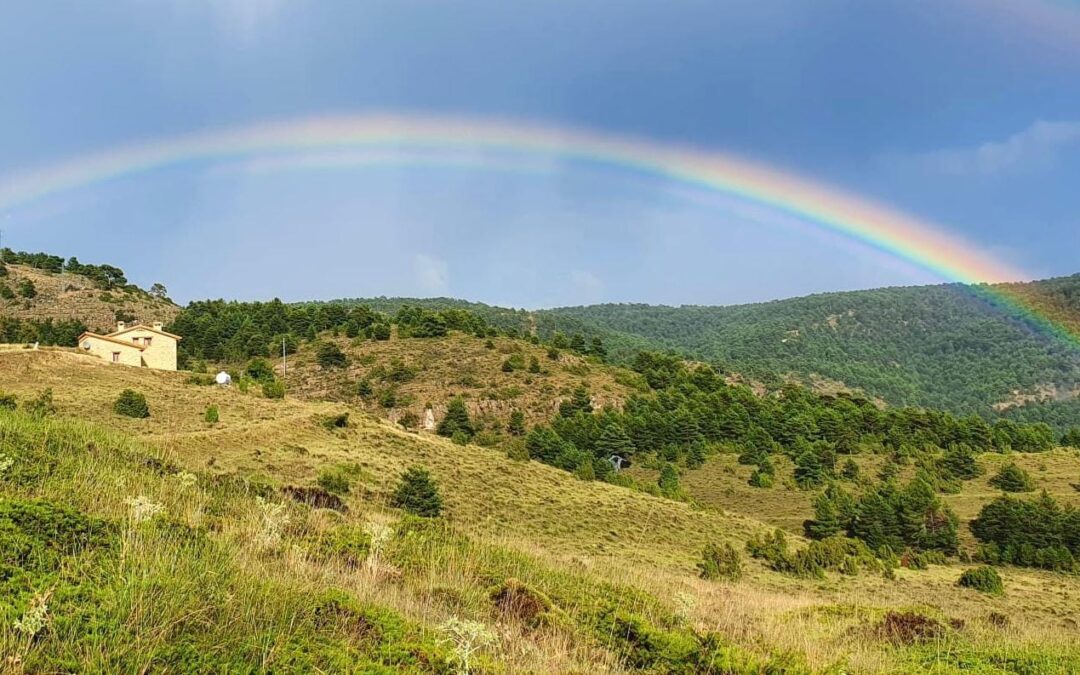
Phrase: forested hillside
pixel 47 299
pixel 941 346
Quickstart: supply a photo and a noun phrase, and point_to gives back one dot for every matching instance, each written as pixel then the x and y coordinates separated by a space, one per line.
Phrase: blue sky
pixel 962 112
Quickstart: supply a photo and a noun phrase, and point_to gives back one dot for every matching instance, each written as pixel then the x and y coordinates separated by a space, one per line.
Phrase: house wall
pixel 103 349
pixel 161 354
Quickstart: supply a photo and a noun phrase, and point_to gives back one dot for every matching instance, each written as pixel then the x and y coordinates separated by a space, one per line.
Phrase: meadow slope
pixel 618 564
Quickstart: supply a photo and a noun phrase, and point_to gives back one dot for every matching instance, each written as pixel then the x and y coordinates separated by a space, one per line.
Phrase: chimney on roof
pixel 119 326
pixel 157 325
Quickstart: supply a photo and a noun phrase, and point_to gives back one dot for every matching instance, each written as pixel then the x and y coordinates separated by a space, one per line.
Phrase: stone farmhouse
pixel 137 345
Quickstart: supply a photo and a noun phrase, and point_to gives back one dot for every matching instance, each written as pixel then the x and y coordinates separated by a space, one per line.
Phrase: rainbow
pixel 921 243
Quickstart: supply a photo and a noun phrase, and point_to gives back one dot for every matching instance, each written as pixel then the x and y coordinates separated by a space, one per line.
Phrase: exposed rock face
pixel 429 420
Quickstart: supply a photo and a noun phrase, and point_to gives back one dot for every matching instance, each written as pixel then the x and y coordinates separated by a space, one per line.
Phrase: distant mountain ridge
pixel 939 346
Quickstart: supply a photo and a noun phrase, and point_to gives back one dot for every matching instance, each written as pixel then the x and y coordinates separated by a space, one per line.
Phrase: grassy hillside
pixel 427 372
pixel 231 574
pixel 67 297
pixel 938 346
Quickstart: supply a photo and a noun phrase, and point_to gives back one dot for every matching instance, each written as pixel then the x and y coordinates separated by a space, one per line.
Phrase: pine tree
pixel 456 419
pixel 597 348
pixel 516 425
pixel 1012 478
pixel 418 494
pixel 669 481
pixel 614 441
pixel 579 401
pixel 808 470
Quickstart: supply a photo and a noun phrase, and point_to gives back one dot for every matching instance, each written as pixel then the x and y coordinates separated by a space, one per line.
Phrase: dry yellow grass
pixel 592 530
pixel 459 364
pixel 71 296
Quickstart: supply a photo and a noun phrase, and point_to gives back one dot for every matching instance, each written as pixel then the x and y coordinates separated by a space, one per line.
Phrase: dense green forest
pixel 220 331
pixel 945 346
pixel 948 346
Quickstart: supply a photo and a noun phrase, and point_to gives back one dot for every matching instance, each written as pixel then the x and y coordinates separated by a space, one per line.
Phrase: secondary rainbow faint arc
pixel 904 236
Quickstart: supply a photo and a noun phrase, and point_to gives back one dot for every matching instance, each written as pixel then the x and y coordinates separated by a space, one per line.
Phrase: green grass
pixel 231 575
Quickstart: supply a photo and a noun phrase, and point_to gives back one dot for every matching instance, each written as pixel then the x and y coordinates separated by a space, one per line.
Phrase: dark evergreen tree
pixel 1012 478
pixel 456 419
pixel 516 425
pixel 808 470
pixel 418 494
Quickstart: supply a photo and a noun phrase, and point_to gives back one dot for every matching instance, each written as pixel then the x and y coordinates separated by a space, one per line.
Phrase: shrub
pixel 349 544
pixel 338 421
pixel 260 370
pixel 409 420
pixel 418 494
pixel 388 398
pixel 273 389
pixel 380 331
pixel 329 355
pixel 460 438
pixel 516 426
pixel 669 482
pixel 720 562
pixel 7 401
pixel 212 416
pixel 27 289
pixel 41 406
pixel 335 481
pixel 850 470
pixel 907 628
pixel 761 479
pixel 1012 478
pixel 516 450
pixel 364 389
pixel 131 403
pixel 985 579
pixel 523 603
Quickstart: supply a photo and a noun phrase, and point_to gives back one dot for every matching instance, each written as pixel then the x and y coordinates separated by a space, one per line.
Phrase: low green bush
pixel 131 403
pixel 273 389
pixel 985 579
pixel 720 562
pixel 1012 478
pixel 335 480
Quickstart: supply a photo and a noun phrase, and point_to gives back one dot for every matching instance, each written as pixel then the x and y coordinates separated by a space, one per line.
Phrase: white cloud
pixel 432 274
pixel 1037 146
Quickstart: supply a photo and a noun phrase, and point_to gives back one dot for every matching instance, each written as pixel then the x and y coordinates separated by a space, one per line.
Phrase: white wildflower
pixel 274 518
pixel 467 638
pixel 187 480
pixel 142 509
pixel 5 463
pixel 36 617
pixel 684 604
pixel 380 534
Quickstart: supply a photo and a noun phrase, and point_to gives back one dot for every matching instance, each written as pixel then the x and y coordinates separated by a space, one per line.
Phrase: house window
pixel 146 342
pixel 135 340
pixel 116 357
